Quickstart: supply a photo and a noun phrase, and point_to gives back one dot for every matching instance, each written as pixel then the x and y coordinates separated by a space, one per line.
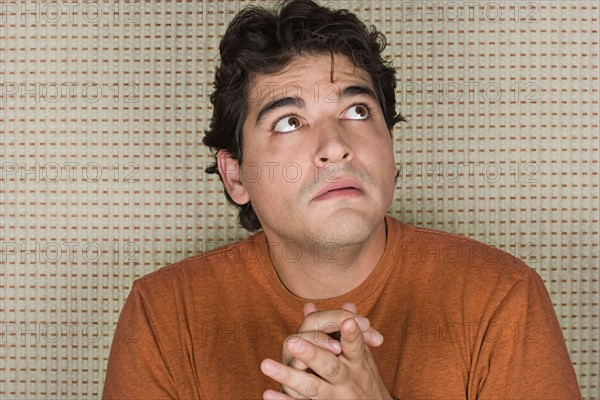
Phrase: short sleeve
pixel 136 366
pixel 523 354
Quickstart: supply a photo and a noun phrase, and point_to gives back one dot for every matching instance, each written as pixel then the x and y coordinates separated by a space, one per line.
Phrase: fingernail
pixel 352 328
pixel 377 337
pixel 363 323
pixel 336 346
pixel 269 367
pixel 272 395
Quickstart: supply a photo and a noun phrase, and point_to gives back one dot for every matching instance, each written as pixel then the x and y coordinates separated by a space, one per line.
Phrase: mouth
pixel 341 188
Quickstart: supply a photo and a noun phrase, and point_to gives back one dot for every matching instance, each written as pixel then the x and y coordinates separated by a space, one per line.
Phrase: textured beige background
pixel 103 107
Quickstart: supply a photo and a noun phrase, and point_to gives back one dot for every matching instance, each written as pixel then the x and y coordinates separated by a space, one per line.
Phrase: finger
pixel 353 345
pixel 350 307
pixel 273 395
pixel 320 339
pixel 329 321
pixel 373 338
pixel 309 308
pixel 291 392
pixel 308 385
pixel 328 366
pixel 294 362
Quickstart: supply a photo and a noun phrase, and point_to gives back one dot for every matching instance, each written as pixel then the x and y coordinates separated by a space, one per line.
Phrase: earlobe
pixel 230 172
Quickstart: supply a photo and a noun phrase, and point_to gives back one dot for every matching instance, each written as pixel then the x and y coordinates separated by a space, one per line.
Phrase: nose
pixel 333 147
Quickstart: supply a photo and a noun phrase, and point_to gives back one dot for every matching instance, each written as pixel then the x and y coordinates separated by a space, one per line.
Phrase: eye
pixel 358 111
pixel 287 124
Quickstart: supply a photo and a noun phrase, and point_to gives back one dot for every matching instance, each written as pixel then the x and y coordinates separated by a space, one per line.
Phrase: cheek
pixel 266 182
pixel 384 155
pixel 251 175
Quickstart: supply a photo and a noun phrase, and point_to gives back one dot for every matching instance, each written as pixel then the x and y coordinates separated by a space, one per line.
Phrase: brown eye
pixel 362 111
pixel 358 111
pixel 287 124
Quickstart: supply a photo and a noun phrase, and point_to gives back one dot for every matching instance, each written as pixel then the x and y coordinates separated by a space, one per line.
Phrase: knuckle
pixel 308 324
pixel 334 369
pixel 295 363
pixel 356 387
pixel 311 356
pixel 312 387
pixel 289 391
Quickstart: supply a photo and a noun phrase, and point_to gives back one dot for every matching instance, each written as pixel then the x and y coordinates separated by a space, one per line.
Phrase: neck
pixel 321 271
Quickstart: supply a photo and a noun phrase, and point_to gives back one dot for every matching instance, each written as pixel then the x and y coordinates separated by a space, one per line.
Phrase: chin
pixel 347 229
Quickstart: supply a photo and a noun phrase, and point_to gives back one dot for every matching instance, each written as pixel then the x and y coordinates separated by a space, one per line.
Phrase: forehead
pixel 306 76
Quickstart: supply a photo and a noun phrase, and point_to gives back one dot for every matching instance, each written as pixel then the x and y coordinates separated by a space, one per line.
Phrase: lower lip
pixel 339 194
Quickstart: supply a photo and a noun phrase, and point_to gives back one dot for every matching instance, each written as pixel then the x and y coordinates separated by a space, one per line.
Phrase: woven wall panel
pixel 103 107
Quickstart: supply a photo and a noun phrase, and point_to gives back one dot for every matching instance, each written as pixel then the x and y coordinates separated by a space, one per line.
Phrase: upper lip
pixel 339 183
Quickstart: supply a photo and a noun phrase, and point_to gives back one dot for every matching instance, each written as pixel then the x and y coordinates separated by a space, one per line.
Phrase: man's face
pixel 318 160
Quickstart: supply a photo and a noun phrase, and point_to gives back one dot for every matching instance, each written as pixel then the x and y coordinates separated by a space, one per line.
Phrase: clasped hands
pixel 318 366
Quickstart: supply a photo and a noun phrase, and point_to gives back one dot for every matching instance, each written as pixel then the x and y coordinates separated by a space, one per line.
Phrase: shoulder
pixel 452 261
pixel 224 263
pixel 463 279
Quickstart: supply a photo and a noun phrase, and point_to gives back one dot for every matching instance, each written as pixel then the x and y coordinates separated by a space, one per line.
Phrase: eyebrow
pixel 357 90
pixel 350 91
pixel 275 104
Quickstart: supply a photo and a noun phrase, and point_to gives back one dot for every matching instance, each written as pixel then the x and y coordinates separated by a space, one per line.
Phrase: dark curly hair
pixel 262 41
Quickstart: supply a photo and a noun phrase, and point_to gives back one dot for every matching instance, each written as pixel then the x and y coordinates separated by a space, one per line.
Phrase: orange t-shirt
pixel 461 320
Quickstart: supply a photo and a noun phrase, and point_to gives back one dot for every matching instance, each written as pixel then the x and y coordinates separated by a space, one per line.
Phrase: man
pixel 332 299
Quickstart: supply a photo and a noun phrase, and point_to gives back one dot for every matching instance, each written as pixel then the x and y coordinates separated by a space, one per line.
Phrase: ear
pixel 229 169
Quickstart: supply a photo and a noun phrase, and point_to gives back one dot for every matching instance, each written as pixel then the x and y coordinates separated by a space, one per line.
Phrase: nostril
pixel 346 155
pixel 323 159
